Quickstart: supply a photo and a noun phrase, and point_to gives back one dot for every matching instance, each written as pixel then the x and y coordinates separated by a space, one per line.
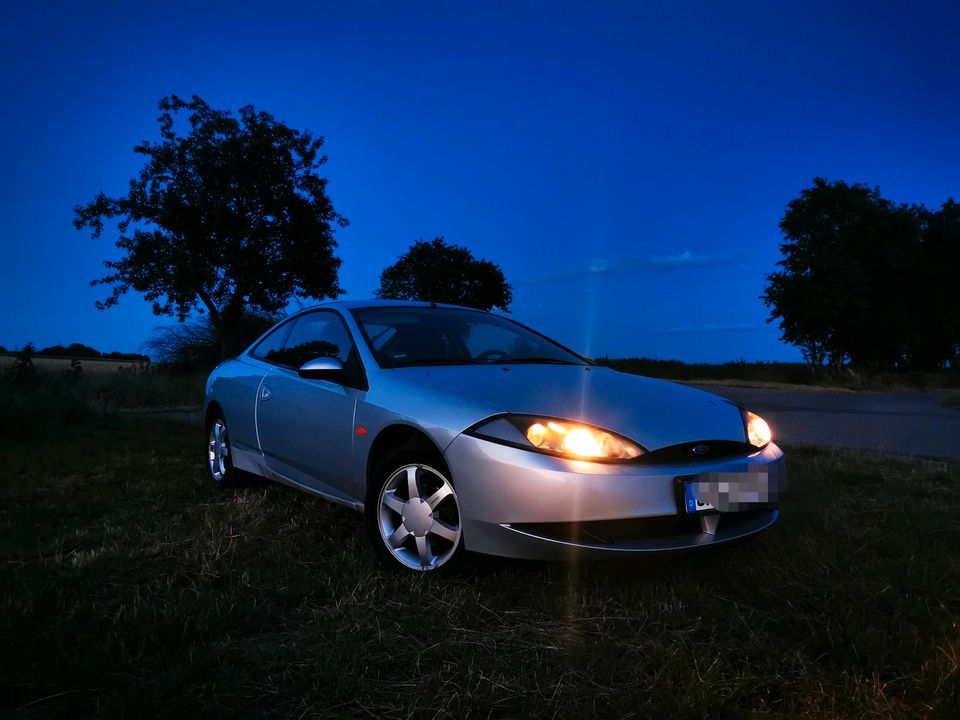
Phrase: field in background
pixel 778 374
pixel 50 402
pixel 131 584
pixel 47 364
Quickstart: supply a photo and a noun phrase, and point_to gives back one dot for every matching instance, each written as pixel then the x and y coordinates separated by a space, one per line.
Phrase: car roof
pixel 358 304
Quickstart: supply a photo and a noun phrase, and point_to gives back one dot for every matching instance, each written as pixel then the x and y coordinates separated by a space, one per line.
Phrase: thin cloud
pixel 683 260
pixel 601 267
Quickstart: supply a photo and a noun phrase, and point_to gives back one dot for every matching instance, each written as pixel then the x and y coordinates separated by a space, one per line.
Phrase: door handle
pixel 265 392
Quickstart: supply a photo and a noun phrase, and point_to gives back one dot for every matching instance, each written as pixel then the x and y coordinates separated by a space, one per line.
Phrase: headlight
pixel 758 432
pixel 558 437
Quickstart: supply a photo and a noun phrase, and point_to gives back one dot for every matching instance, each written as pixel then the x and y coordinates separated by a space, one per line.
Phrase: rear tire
pixel 219 454
pixel 412 512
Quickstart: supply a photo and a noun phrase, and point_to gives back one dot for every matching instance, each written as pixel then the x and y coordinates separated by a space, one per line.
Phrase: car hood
pixel 654 413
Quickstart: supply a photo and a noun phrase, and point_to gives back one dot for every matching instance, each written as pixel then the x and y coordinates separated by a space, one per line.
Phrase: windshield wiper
pixel 534 360
pixel 434 361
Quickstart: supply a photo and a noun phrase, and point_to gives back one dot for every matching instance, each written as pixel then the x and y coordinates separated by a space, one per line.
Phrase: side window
pixel 271 343
pixel 317 334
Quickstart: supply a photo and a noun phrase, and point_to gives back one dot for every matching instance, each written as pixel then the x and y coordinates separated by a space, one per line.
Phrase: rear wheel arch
pixel 214 410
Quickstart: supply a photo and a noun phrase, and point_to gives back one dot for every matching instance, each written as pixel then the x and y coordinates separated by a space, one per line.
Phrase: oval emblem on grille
pixel 701 449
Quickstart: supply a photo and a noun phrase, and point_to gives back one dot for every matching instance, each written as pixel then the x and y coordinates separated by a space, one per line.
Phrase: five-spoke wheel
pixel 418 517
pixel 218 451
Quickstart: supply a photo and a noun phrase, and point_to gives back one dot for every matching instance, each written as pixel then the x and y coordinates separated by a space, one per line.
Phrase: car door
pixel 305 426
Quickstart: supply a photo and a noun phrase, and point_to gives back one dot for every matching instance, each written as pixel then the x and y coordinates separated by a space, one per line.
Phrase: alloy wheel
pixel 419 517
pixel 219 450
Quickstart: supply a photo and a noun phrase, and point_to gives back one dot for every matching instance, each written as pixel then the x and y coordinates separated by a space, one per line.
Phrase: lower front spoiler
pixel 622 538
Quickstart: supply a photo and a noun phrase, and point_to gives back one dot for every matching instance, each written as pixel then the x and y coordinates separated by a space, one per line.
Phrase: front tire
pixel 412 512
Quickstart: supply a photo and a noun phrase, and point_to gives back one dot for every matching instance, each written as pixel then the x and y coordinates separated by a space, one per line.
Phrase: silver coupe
pixel 458 430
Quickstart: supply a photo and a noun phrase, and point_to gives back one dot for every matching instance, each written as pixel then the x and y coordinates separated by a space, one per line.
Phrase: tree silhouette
pixel 437 272
pixel 866 281
pixel 934 299
pixel 227 218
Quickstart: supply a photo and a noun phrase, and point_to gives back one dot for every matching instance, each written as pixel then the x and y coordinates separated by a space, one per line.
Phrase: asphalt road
pixel 902 423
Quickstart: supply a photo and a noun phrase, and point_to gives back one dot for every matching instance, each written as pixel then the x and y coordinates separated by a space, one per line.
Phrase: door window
pixel 271 343
pixel 317 334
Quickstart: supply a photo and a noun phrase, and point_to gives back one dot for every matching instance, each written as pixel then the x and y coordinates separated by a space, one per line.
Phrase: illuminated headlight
pixel 559 437
pixel 758 432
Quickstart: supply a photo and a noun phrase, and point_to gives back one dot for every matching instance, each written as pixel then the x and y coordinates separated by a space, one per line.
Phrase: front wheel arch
pixel 396 436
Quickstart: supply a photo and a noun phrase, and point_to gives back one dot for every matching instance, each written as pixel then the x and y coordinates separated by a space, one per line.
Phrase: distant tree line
pixel 75 350
pixel 868 282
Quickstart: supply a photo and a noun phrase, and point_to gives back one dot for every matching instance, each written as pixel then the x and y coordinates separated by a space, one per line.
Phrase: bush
pixel 197 345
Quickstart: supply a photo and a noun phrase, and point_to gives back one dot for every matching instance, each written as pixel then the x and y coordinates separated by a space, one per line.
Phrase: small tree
pixel 23 370
pixel 437 272
pixel 231 216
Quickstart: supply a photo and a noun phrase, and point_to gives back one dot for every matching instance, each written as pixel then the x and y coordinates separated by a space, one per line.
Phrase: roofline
pixel 372 303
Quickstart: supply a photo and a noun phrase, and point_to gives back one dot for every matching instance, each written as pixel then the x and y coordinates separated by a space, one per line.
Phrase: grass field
pixel 132 587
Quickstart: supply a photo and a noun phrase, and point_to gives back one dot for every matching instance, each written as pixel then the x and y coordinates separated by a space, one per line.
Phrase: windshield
pixel 420 336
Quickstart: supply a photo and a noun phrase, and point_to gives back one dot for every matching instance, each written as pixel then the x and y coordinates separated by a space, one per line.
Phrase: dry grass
pixel 131 585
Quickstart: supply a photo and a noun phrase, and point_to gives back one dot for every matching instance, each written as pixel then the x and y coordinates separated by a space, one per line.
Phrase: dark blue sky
pixel 625 163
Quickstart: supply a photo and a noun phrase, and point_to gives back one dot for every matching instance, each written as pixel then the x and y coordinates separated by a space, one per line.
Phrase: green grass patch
pixel 131 584
pixel 952 400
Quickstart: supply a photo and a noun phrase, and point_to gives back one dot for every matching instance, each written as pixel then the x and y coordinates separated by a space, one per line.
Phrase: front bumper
pixel 522 504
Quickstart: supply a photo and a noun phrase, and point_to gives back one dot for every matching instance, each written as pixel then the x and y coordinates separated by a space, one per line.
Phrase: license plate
pixel 730 490
pixel 692 503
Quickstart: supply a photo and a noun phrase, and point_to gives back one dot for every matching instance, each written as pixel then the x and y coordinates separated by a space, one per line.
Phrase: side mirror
pixel 322 368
